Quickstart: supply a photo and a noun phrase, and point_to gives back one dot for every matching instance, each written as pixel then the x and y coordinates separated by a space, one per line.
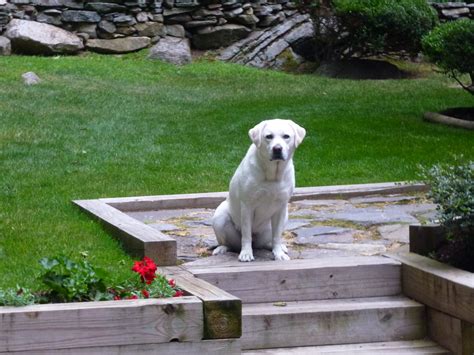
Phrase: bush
pixel 452 189
pixel 362 28
pixel 451 47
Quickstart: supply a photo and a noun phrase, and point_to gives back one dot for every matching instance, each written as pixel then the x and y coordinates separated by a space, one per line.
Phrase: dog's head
pixel 277 138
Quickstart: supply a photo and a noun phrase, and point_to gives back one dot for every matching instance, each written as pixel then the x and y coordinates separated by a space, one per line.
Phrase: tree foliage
pixel 451 47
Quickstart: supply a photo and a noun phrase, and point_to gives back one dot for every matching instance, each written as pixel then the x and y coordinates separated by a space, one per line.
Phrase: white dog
pixel 256 210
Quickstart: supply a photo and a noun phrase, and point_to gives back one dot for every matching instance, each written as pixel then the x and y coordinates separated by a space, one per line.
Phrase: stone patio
pixel 371 225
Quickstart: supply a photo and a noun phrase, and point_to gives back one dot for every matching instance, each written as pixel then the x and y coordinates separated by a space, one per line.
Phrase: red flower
pixel 117 298
pixel 178 293
pixel 146 268
pixel 172 283
pixel 132 297
pixel 145 293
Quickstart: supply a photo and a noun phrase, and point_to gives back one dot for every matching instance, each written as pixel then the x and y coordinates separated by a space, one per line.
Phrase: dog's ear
pixel 300 132
pixel 255 133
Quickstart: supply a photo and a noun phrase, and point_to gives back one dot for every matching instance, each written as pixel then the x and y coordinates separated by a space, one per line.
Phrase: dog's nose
pixel 277 149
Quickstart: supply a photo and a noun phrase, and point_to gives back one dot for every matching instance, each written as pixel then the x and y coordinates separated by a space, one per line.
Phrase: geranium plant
pixel 66 280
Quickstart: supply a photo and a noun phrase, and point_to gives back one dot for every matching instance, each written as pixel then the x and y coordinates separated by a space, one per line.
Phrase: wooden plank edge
pixel 130 232
pixel 437 285
pixel 213 199
pixel 222 311
pixel 208 347
pixel 101 324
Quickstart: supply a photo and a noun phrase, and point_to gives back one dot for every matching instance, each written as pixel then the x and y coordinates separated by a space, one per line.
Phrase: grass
pixel 108 126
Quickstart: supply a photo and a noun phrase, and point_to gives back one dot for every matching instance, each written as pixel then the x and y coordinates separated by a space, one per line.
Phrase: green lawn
pixel 105 126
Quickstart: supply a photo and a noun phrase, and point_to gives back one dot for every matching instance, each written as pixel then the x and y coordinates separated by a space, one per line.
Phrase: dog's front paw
pixel 246 255
pixel 221 249
pixel 279 254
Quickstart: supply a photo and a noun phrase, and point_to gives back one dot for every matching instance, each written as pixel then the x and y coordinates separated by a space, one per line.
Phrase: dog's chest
pixel 271 193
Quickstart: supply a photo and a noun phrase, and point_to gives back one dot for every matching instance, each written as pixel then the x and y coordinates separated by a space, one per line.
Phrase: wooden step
pixel 326 322
pixel 301 280
pixel 411 347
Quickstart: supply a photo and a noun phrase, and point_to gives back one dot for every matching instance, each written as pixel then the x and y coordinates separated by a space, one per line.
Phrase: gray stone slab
pixel 316 253
pixel 325 238
pixel 330 204
pixel 164 227
pixel 383 199
pixel 395 232
pixel 368 216
pixel 293 224
pixel 362 249
pixel 303 213
pixel 162 215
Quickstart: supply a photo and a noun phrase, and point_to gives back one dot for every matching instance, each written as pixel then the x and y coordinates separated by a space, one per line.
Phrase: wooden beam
pixel 454 334
pixel 96 324
pixel 440 286
pixel 344 321
pixel 136 237
pixel 213 199
pixel 310 279
pixel 222 311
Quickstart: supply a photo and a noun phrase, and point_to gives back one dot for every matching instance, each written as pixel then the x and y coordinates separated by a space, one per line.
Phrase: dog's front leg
pixel 246 214
pixel 278 225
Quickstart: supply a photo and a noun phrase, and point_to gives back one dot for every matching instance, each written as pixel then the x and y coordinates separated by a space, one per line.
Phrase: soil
pixel 458 251
pixel 362 69
pixel 462 113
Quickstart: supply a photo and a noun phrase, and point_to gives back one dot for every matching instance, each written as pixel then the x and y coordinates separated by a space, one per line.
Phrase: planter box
pixel 183 325
pixel 427 238
pixel 141 240
pixel 449 294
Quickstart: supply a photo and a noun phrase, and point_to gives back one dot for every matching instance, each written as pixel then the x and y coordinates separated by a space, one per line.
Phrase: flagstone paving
pixel 369 225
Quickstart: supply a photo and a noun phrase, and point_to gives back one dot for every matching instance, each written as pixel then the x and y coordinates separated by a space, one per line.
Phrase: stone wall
pixel 209 24
pixel 453 10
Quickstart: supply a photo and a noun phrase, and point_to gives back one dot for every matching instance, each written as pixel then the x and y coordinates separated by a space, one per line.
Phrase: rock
pixel 219 36
pixel 40 38
pixel 296 223
pixel 5 46
pixel 30 78
pixel 175 31
pixel 126 30
pixel 270 48
pixel 106 26
pixel 87 28
pixel 269 20
pixel 142 17
pixel 49 19
pixel 105 7
pixel 363 249
pixel 247 20
pixel 455 12
pixel 202 13
pixel 80 16
pixel 121 19
pixel 324 234
pixel 118 45
pixel 172 50
pixel 150 29
pixel 200 23
pixel 395 232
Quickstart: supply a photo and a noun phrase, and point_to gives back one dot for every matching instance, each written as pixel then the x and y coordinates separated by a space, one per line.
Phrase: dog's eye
pixel 269 136
pixel 286 136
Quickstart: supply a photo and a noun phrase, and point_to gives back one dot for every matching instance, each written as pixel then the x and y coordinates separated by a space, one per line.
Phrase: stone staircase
pixel 347 305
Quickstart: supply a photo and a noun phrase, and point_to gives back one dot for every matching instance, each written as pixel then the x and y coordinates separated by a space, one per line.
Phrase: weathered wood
pixel 411 347
pixel 426 239
pixel 440 286
pixel 222 311
pixel 96 324
pixel 327 322
pixel 213 199
pixel 208 347
pixel 310 279
pixel 454 334
pixel 137 238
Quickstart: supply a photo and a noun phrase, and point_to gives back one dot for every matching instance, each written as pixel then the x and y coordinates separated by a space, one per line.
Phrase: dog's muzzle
pixel 277 153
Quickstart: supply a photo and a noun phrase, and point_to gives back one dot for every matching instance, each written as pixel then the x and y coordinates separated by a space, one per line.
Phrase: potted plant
pixel 452 239
pixel 451 47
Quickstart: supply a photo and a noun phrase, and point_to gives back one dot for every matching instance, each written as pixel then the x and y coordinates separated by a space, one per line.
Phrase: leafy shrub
pixel 17 297
pixel 346 28
pixel 452 189
pixel 70 281
pixel 451 47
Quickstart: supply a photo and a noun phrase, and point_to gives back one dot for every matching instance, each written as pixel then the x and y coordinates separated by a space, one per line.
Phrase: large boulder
pixel 5 46
pixel 30 37
pixel 219 36
pixel 118 45
pixel 172 50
